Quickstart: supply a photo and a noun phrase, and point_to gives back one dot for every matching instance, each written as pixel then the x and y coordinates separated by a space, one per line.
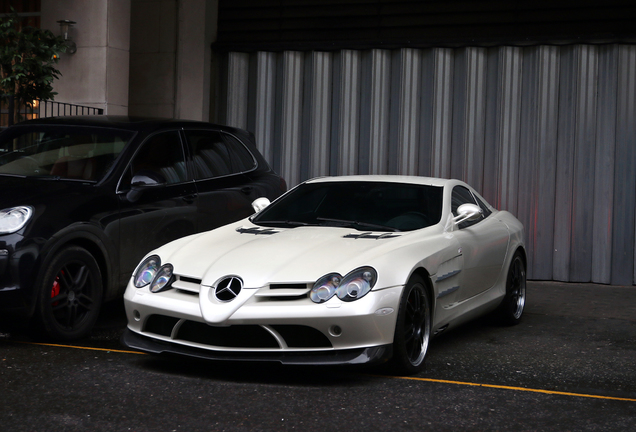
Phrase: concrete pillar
pixel 97 75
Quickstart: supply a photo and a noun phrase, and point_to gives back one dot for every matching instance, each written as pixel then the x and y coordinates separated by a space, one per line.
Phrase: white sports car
pixel 339 270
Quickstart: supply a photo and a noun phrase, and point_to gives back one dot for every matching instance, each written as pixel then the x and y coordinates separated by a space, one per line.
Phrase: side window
pixel 484 207
pixel 460 196
pixel 162 155
pixel 216 154
pixel 241 157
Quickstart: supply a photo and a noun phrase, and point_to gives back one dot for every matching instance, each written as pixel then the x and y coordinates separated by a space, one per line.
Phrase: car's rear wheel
pixel 514 301
pixel 412 330
pixel 70 295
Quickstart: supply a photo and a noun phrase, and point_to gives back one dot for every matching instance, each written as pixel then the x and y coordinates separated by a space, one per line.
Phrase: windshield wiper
pixel 277 223
pixel 355 224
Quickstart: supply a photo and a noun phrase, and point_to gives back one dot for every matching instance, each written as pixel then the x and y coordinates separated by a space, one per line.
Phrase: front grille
pixel 288 286
pixel 240 336
pixel 160 324
pixel 237 336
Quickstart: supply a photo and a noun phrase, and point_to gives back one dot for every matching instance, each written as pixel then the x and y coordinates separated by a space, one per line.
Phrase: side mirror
pixel 467 212
pixel 259 204
pixel 147 178
pixel 140 181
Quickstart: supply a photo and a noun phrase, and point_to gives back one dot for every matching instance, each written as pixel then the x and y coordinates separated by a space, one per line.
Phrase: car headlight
pixel 353 286
pixel 163 279
pixel 325 288
pixel 146 271
pixel 13 219
pixel 357 284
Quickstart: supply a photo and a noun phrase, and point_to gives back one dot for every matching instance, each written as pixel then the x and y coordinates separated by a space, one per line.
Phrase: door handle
pixel 189 198
pixel 247 190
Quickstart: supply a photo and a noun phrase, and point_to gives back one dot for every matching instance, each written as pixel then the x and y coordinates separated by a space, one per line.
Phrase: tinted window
pixel 218 154
pixel 162 155
pixel 242 159
pixel 460 196
pixel 65 152
pixel 371 205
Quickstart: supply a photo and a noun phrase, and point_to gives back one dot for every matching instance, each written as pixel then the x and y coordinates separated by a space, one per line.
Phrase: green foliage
pixel 28 57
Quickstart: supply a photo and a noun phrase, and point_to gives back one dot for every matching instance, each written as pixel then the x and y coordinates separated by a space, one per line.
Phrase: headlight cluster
pixel 353 286
pixel 12 219
pixel 150 271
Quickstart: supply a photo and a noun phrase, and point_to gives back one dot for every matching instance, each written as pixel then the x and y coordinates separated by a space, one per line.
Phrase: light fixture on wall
pixel 65 26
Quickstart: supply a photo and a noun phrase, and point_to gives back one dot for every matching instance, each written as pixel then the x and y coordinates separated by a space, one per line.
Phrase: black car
pixel 82 199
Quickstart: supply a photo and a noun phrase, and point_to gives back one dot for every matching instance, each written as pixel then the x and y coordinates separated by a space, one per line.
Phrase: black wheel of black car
pixel 412 330
pixel 70 295
pixel 514 301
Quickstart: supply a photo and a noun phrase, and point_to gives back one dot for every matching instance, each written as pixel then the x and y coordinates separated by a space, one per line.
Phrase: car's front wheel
pixel 70 295
pixel 412 330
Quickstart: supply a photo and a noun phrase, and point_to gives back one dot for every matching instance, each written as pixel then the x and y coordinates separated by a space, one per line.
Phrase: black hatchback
pixel 83 199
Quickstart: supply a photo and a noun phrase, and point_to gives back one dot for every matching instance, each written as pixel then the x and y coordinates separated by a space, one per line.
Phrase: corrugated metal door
pixel 546 132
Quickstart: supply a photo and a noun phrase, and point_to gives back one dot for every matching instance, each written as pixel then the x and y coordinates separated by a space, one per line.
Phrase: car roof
pixel 124 122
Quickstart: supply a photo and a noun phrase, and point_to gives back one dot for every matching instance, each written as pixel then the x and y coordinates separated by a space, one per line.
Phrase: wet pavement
pixel 569 365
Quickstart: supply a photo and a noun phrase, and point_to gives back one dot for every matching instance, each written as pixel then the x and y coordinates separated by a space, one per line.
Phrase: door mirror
pixel 259 204
pixel 467 212
pixel 147 178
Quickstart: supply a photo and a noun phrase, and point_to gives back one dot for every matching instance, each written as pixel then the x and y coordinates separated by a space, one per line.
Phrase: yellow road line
pixel 433 380
pixel 552 392
pixel 81 347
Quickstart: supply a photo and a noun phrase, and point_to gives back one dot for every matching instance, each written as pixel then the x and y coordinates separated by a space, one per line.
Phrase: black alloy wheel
pixel 70 295
pixel 514 301
pixel 412 330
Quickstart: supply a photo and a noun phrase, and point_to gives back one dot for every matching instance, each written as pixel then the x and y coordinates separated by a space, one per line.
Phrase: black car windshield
pixel 361 205
pixel 60 152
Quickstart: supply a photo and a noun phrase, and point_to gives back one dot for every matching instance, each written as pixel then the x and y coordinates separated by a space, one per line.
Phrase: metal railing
pixel 40 109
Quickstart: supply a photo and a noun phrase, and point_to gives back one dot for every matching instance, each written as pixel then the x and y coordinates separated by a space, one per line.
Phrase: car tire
pixel 412 329
pixel 70 295
pixel 511 307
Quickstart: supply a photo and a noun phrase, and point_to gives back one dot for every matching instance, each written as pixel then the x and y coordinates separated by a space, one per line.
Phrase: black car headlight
pixel 146 271
pixel 163 279
pixel 353 286
pixel 14 218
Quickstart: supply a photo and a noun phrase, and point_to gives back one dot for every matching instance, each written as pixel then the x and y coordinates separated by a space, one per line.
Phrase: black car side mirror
pixel 147 178
pixel 142 180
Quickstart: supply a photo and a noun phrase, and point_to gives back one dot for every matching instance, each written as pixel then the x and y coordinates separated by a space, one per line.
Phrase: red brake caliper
pixel 55 290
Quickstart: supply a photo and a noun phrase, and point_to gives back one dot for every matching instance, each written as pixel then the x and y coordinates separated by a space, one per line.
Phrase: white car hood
pixel 301 254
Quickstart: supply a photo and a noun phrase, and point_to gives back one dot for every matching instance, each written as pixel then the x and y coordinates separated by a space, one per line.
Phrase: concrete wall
pixel 97 75
pixel 171 58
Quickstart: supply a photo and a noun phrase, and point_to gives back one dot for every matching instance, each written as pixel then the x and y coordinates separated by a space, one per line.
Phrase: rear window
pixel 64 152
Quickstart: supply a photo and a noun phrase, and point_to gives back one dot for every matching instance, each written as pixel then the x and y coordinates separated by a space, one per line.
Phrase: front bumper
pixel 371 355
pixel 17 273
pixel 290 331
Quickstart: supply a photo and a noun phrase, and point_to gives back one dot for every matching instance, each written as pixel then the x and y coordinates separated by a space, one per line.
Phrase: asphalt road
pixel 570 365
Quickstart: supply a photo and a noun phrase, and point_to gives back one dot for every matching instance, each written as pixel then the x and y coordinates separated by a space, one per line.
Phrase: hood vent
pixel 370 235
pixel 256 231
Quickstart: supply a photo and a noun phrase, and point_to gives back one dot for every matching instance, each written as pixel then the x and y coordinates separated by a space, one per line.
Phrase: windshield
pixel 61 152
pixel 364 206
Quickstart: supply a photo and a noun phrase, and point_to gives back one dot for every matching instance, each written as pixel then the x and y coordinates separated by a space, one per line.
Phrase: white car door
pixel 483 245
